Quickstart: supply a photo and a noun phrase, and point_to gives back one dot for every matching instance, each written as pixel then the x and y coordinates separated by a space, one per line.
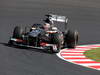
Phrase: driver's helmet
pixel 46 26
pixel 48 19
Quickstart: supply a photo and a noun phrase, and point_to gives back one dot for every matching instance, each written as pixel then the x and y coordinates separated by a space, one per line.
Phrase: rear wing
pixel 57 18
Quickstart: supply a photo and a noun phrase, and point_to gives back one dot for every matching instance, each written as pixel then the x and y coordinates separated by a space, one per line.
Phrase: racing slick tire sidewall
pixel 18 31
pixel 71 39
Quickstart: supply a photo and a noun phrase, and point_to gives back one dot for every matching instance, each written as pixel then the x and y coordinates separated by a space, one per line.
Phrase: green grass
pixel 93 54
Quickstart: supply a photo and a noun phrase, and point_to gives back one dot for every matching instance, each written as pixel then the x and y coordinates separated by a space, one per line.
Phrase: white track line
pixel 72 60
pixel 91 64
pixel 72 53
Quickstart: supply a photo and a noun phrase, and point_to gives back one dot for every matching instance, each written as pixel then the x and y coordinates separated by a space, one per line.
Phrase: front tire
pixel 17 33
pixel 56 40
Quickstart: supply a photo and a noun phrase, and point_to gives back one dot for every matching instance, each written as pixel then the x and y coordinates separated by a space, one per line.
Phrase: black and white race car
pixel 52 40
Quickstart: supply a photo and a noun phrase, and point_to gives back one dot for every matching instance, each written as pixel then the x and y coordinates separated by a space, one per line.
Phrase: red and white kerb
pixel 76 56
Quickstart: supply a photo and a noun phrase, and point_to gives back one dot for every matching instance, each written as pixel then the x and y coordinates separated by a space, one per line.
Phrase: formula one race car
pixel 52 39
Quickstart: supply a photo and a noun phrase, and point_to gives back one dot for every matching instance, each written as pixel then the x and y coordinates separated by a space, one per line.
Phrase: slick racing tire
pixel 17 33
pixel 56 40
pixel 71 39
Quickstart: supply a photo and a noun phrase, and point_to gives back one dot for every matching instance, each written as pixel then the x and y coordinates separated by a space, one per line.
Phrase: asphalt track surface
pixel 84 15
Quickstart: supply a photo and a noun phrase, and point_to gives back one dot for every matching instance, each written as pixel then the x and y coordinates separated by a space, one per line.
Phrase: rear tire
pixel 71 39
